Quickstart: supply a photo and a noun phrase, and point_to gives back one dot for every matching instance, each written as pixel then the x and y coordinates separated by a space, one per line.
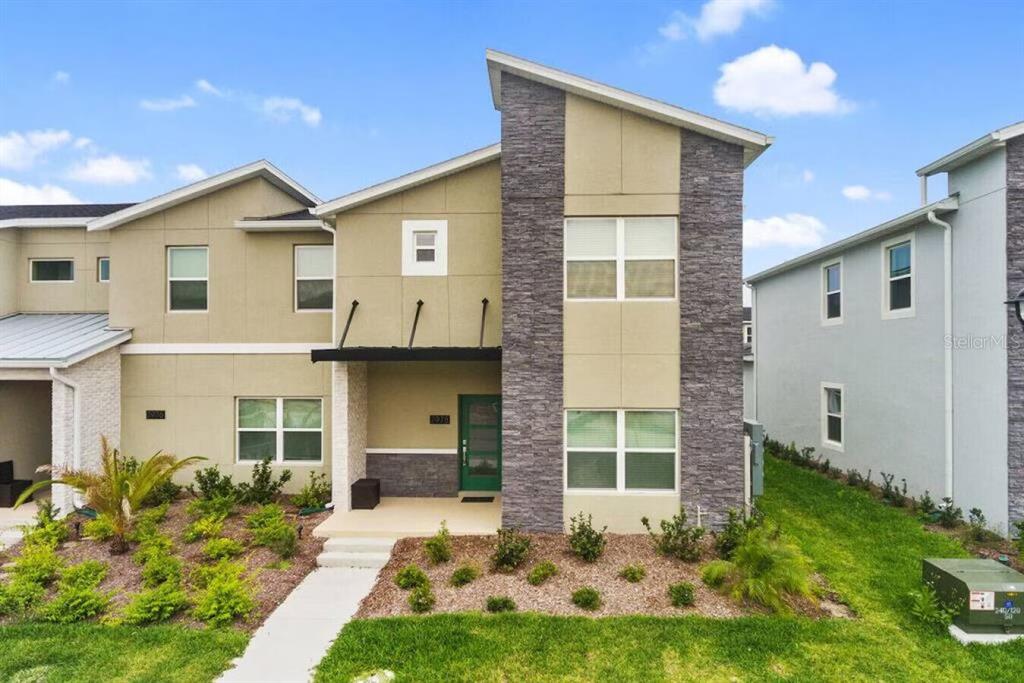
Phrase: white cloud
pixel 61 77
pixel 83 143
pixel 675 29
pixel 168 104
pixel 283 108
pixel 808 175
pixel 775 81
pixel 717 18
pixel 860 193
pixel 20 151
pixel 12 192
pixel 791 230
pixel 111 170
pixel 190 173
pixel 209 88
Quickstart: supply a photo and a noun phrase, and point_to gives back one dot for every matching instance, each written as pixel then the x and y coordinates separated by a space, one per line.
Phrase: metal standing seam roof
pixel 42 340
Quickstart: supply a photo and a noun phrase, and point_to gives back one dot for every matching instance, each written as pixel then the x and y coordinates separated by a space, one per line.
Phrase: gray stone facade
pixel 711 315
pixel 422 475
pixel 1015 335
pixel 533 208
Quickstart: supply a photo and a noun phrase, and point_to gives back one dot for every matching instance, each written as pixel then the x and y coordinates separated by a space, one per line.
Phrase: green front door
pixel 480 442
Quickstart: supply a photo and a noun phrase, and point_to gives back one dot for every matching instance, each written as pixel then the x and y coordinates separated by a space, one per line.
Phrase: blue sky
pixel 102 101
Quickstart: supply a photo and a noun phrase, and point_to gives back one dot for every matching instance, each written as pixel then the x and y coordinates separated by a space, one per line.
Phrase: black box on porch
pixel 365 494
pixel 10 492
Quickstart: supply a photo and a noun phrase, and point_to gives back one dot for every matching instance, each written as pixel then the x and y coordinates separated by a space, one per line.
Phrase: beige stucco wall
pixel 251 276
pixel 621 514
pixel 84 294
pixel 25 426
pixel 198 393
pixel 8 267
pixel 401 397
pixel 370 265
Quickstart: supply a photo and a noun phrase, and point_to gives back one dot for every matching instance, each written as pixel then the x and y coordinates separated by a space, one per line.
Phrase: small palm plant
pixel 114 491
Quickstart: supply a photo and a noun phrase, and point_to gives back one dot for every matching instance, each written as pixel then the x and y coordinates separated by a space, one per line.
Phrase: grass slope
pixel 870 553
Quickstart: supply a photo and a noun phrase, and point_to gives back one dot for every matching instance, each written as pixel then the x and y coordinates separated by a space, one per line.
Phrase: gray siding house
pixel 894 350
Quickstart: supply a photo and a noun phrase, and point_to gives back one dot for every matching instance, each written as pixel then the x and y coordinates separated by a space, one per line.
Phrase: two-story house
pixel 550 321
pixel 894 350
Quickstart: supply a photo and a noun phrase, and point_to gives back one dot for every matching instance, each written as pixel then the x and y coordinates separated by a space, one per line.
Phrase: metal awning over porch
pixel 354 353
pixel 55 340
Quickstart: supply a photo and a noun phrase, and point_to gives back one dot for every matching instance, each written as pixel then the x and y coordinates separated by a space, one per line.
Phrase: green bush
pixel 500 603
pixel 161 568
pixel 978 526
pixel 161 494
pixel 439 546
pixel 465 574
pixel 73 604
pixel 280 537
pixel 315 494
pixel 926 506
pixel 676 539
pixel 411 576
pixel 421 599
pixel 265 515
pixel 263 488
pixel 715 573
pixel 735 531
pixel 99 529
pixel 212 484
pixel 217 506
pixel 156 604
pixel 541 572
pixel 634 573
pixel 204 527
pixel 950 516
pixel 1020 536
pixel 510 551
pixel 19 595
pixel 47 530
pixel 151 546
pixel 87 574
pixel 681 594
pixel 37 564
pixel 226 596
pixel 926 606
pixel 146 524
pixel 586 598
pixel 221 548
pixel 586 542
pixel 205 574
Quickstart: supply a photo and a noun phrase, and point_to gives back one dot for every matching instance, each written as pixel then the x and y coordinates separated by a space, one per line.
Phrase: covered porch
pixel 397 517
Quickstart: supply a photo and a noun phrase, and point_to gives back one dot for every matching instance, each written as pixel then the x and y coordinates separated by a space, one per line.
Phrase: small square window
pixel 424 248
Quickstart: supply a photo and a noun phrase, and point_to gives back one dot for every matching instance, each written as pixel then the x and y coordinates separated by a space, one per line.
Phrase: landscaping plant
pixel 87 574
pixel 736 529
pixel 47 530
pixel 204 527
pixel 926 505
pixel 894 494
pixel 715 573
pixel 1020 536
pixel 500 603
pixel 222 548
pixel 38 564
pixel 930 610
pixel 155 605
pixel 978 525
pixel 270 529
pixel 263 488
pixel 315 494
pixel 99 529
pixel 634 573
pixel 681 594
pixel 410 576
pixel 856 480
pixel 113 491
pixel 586 598
pixel 77 598
pixel 676 539
pixel 163 493
pixel 219 506
pixel 510 551
pixel 421 598
pixel 439 546
pixel 211 483
pixel 586 542
pixel 541 572
pixel 950 516
pixel 226 596
pixel 465 574
pixel 160 568
pixel 19 595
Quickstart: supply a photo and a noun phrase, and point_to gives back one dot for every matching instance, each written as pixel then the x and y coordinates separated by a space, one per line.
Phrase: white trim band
pixel 158 349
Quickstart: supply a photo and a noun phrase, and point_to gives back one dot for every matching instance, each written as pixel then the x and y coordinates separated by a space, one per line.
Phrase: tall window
pixel 51 270
pixel 620 450
pixel 620 258
pixel 832 281
pixel 281 429
pixel 103 269
pixel 314 277
pixel 898 264
pixel 424 247
pixel 832 415
pixel 748 333
pixel 187 278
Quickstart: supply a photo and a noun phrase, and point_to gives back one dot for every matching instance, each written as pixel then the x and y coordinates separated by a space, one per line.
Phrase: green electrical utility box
pixel 990 595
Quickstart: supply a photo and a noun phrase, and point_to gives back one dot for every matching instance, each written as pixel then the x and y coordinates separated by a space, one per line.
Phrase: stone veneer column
pixel 348 430
pixel 711 314
pixel 1015 335
pixel 533 210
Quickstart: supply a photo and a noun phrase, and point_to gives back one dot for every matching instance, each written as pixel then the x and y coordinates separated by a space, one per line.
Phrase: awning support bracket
pixel 348 323
pixel 415 321
pixel 483 318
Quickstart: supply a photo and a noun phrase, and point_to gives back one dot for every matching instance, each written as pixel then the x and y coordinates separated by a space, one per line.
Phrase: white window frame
pixel 908 312
pixel 280 430
pixel 825 320
pixel 620 453
pixel 620 261
pixel 99 271
pixel 413 268
pixel 295 285
pixel 206 279
pixel 74 271
pixel 748 333
pixel 825 441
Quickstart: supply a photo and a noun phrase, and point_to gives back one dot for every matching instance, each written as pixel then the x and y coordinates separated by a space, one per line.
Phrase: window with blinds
pixel 620 258
pixel 620 450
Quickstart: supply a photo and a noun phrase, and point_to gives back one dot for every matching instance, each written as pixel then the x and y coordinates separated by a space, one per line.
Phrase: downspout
pixel 334 281
pixel 76 420
pixel 947 274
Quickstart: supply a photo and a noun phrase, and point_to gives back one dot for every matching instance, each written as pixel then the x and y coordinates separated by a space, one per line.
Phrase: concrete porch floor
pixel 401 517
pixel 11 518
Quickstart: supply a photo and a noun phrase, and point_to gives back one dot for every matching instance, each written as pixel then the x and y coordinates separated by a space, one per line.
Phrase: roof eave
pixel 972 150
pixel 79 222
pixel 280 226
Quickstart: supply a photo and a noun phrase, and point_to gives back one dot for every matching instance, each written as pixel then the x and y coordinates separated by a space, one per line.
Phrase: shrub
pixel 87 574
pixel 226 595
pixel 439 546
pixel 681 594
pixel 736 529
pixel 467 573
pixel 204 527
pixel 156 604
pixel 978 525
pixel 634 573
pixel 894 494
pixel 715 573
pixel 19 595
pixel 37 564
pixel 221 548
pixel 510 551
pixel 926 606
pixel 950 516
pixel 926 505
pixel 676 538
pixel 586 598
pixel 99 529
pixel 586 542
pixel 266 515
pixel 500 603
pixel 263 488
pixel 280 537
pixel 315 494
pixel 1020 535
pixel 212 484
pixel 541 572
pixel 146 523
pixel 73 604
pixel 216 506
pixel 161 568
pixel 855 479
pixel 411 576
pixel 205 574
pixel 151 546
pixel 47 530
pixel 421 599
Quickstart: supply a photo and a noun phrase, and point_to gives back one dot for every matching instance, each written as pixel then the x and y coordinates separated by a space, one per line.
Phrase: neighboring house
pixel 550 319
pixel 893 350
pixel 748 363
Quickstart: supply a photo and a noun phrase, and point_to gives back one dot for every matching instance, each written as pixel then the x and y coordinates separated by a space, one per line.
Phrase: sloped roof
pixel 58 340
pixel 972 150
pixel 54 215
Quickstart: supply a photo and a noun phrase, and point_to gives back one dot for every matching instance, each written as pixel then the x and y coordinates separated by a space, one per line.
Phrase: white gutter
pixel 947 273
pixel 76 449
pixel 334 281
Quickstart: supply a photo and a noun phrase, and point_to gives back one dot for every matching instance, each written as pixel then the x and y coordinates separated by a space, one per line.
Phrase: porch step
pixel 355 544
pixel 371 553
pixel 357 560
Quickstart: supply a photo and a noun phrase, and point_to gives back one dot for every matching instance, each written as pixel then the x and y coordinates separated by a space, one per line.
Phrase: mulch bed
pixel 124 576
pixel 619 597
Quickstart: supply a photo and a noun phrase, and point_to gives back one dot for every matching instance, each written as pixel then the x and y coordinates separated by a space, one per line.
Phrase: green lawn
pixel 870 553
pixel 34 653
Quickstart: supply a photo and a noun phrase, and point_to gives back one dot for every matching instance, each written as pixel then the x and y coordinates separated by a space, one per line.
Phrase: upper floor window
pixel 51 270
pixel 188 278
pixel 832 283
pixel 314 277
pixel 424 247
pixel 620 258
pixel 748 333
pixel 832 416
pixel 898 277
pixel 620 450
pixel 103 269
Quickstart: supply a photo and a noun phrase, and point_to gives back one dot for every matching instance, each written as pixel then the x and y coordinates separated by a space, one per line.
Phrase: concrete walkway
pixel 298 633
